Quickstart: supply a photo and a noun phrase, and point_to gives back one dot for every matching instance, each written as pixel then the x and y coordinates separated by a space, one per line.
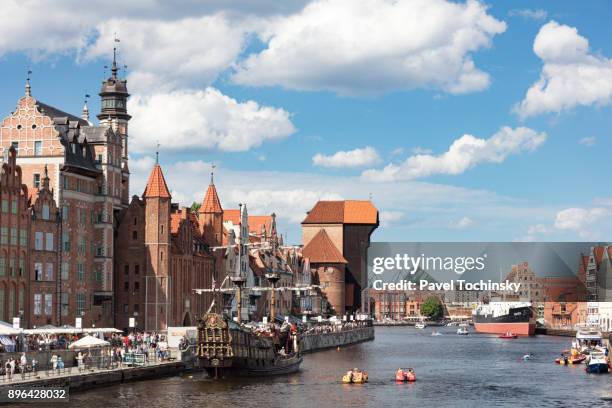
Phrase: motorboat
pixel 420 325
pixel 597 363
pixel 436 333
pixel 588 339
pixel 463 330
pixel 508 335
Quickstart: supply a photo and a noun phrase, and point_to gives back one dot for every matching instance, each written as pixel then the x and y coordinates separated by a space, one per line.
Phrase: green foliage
pixel 432 308
pixel 195 207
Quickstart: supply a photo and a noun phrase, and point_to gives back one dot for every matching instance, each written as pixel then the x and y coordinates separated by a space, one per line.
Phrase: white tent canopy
pixel 71 330
pixel 7 329
pixel 89 342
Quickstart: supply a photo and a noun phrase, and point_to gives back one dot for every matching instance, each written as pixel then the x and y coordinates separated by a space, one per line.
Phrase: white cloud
pixel 366 156
pixel 537 229
pixel 580 220
pixel 532 14
pixel 421 150
pixel 462 223
pixel 374 46
pixel 588 141
pixel 200 120
pixel 168 54
pixel 464 153
pixel 571 76
pixel 388 218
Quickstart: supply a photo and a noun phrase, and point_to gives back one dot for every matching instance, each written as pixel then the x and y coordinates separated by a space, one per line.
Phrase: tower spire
pixel 212 174
pixel 28 88
pixel 114 68
pixel 45 181
pixel 157 153
pixel 85 113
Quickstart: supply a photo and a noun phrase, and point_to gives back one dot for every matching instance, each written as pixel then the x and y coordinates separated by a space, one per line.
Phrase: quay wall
pixel 321 341
pixel 87 380
pixel 565 332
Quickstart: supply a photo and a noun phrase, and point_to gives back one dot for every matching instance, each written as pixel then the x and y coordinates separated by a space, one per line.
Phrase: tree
pixel 195 207
pixel 432 308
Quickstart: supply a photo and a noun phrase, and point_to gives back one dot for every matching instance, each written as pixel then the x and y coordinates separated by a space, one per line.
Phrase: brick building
pixel 347 225
pixel 162 255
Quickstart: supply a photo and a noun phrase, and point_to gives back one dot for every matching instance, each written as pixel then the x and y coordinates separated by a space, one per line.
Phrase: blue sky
pixel 342 86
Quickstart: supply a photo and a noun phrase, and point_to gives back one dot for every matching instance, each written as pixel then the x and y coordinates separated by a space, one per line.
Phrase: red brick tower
pixel 210 217
pixel 157 250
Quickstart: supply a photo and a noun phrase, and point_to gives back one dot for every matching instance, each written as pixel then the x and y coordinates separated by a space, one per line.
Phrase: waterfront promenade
pixel 89 377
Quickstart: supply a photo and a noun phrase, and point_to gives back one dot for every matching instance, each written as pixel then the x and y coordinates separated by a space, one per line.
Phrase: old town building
pixel 162 255
pixel 339 232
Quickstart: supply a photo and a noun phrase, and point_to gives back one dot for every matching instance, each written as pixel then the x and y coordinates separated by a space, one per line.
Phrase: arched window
pixel 2 308
pixel 11 302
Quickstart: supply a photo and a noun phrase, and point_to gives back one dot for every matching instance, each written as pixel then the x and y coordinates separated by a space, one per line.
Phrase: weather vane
pixel 212 173
pixel 157 153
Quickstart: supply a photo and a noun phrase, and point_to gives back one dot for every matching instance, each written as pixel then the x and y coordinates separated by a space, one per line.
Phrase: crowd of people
pixel 123 350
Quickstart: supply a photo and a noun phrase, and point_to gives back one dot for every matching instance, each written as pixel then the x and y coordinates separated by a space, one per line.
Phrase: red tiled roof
pixel 342 212
pixel 156 186
pixel 255 221
pixel 321 249
pixel 211 203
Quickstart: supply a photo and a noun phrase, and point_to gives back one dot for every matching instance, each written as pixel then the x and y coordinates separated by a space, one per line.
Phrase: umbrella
pixel 89 342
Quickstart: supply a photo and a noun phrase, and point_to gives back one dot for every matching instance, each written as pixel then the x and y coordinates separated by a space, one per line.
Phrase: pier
pixel 77 380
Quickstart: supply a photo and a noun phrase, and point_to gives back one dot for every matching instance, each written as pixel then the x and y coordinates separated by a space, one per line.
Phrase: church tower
pixel 113 113
pixel 210 216
pixel 157 251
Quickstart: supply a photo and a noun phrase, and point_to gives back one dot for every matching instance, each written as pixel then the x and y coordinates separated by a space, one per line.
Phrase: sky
pixel 463 121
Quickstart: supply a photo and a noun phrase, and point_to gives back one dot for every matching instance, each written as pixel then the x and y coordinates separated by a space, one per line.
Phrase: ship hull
pixel 253 368
pixel 518 321
pixel 520 328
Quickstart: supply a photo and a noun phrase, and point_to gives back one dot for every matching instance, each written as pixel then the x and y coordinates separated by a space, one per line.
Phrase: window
pixel 82 245
pixel 136 308
pixel 14 240
pixel 2 266
pixel 36 181
pixel 48 304
pixel 4 206
pixel 38 271
pixel 80 304
pixel 21 298
pixel 65 303
pixel 45 212
pixel 65 211
pixel 21 266
pixel 81 272
pixel 136 286
pixel 49 272
pixel 83 216
pixel 135 220
pixel 2 316
pixel 126 308
pixel 37 304
pixel 15 145
pixel 12 266
pixel 98 276
pixel 23 237
pixel 126 286
pixel 126 271
pixel 134 235
pixel 65 242
pixel 49 242
pixel 3 235
pixel 65 271
pixel 38 148
pixel 136 269
pixel 38 241
pixel 14 206
pixel 65 183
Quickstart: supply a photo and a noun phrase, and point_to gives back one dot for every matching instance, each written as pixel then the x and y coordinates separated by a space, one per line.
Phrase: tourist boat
pixel 508 335
pixel 355 376
pixel 436 333
pixel 587 339
pixel 463 330
pixel 226 347
pixel 503 317
pixel 419 325
pixel 405 375
pixel 597 363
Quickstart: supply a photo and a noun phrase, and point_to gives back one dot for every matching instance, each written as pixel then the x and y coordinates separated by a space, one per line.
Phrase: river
pixel 452 370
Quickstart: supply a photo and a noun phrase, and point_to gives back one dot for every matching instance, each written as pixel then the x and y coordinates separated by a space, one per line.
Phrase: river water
pixel 465 371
